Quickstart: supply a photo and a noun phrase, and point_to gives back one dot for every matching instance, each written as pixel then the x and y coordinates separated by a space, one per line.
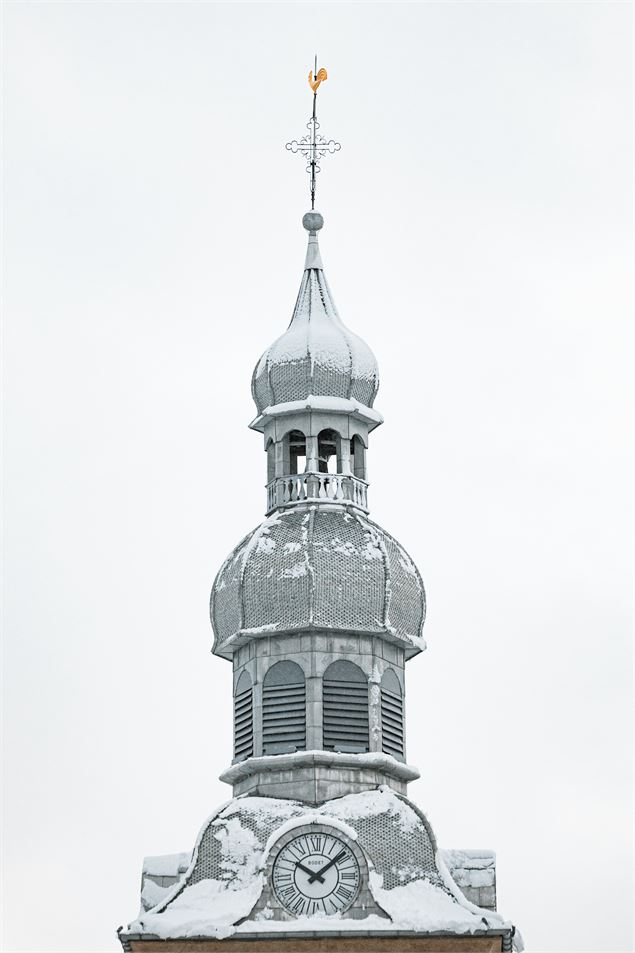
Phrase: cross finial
pixel 314 146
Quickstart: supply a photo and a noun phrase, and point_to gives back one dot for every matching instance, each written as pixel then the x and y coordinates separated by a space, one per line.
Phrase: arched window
pixel 283 709
pixel 345 707
pixel 358 457
pixel 329 452
pixel 243 718
pixel 392 715
pixel 271 461
pixel 295 451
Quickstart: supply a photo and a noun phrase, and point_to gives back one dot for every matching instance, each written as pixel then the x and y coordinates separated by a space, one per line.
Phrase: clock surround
pixel 361 905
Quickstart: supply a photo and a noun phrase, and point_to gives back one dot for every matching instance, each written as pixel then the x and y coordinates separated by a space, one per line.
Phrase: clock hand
pixel 318 873
pixel 311 873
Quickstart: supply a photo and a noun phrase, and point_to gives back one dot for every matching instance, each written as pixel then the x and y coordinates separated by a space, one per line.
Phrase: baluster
pixel 310 486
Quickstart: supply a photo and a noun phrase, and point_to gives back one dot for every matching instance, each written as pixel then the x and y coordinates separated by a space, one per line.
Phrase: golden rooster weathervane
pixel 314 146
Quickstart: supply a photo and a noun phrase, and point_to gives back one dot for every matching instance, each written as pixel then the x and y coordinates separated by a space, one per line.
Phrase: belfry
pixel 318 610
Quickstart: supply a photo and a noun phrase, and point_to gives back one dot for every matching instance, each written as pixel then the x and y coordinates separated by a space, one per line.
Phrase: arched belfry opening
pixel 284 709
pixel 392 726
pixel 295 452
pixel 243 718
pixel 271 460
pixel 345 708
pixel 358 457
pixel 329 452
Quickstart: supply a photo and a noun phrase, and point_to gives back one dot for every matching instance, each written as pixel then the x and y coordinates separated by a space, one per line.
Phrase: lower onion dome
pixel 318 567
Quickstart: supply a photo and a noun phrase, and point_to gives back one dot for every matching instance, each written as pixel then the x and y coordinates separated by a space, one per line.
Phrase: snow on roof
pixel 166 865
pixel 380 591
pixel 317 354
pixel 319 402
pixel 225 878
pixel 471 868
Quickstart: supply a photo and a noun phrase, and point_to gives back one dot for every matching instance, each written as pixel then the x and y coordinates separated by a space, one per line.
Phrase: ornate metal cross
pixel 314 146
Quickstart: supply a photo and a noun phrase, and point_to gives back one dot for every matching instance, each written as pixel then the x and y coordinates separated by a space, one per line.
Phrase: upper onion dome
pixel 317 355
pixel 318 567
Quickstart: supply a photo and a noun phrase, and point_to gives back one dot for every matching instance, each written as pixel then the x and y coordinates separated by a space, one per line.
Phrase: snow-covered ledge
pixel 317 404
pixel 322 774
pixel 331 759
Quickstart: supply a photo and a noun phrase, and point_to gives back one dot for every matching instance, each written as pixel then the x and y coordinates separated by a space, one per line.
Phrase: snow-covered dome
pixel 318 567
pixel 317 355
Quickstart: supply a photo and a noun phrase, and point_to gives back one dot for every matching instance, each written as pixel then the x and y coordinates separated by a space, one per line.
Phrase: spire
pixel 314 146
pixel 317 356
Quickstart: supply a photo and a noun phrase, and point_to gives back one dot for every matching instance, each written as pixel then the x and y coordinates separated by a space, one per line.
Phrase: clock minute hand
pixel 311 873
pixel 318 873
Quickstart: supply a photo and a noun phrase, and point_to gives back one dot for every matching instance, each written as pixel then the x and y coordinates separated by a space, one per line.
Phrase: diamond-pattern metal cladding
pixel 399 854
pixel 319 566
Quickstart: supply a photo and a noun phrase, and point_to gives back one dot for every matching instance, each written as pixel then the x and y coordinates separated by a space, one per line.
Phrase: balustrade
pixel 317 487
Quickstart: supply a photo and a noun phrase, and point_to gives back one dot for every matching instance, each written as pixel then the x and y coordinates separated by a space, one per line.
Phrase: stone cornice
pixel 331 759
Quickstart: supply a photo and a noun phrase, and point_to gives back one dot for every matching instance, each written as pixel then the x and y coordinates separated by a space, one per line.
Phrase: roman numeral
pixel 316 843
pixel 283 878
pixel 349 874
pixel 298 905
pixel 344 892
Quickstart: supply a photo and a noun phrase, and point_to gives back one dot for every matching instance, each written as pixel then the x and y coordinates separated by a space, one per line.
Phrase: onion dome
pixel 317 355
pixel 319 567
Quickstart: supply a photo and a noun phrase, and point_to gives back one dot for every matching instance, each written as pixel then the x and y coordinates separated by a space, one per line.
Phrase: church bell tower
pixel 318 610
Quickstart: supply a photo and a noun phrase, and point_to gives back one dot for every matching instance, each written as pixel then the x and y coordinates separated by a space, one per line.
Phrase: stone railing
pixel 317 487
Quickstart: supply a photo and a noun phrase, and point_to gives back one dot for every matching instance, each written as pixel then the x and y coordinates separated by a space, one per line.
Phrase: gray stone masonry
pixel 316 776
pixel 475 873
pixel 314 652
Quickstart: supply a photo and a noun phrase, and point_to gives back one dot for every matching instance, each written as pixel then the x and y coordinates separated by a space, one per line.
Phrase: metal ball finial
pixel 312 221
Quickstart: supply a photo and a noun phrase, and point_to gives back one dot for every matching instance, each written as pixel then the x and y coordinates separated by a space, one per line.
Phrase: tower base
pixel 330 944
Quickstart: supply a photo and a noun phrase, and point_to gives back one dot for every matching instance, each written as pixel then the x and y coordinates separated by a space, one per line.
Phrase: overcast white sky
pixel 478 232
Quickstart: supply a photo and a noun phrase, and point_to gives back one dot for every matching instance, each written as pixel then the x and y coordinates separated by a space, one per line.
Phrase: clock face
pixel 316 873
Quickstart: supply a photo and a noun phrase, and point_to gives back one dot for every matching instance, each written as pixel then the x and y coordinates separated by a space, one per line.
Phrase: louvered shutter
pixel 392 716
pixel 345 708
pixel 243 719
pixel 284 709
